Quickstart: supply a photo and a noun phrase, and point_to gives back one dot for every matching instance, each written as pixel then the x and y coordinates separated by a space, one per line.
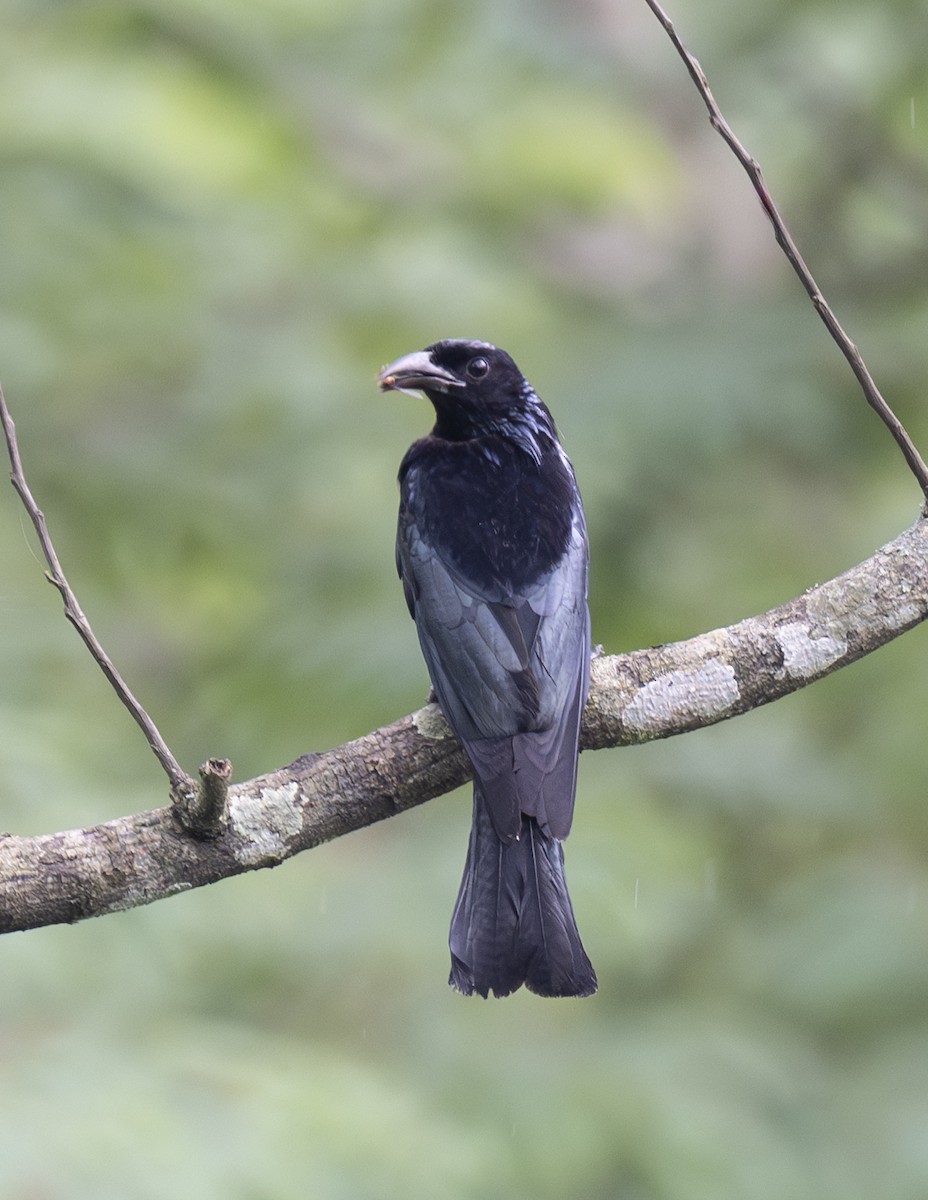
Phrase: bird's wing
pixel 543 761
pixel 510 671
pixel 474 644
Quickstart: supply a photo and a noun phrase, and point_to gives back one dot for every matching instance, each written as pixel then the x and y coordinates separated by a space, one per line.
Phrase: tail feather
pixel 513 923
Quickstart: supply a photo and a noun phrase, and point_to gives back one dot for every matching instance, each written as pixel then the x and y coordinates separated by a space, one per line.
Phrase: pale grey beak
pixel 416 372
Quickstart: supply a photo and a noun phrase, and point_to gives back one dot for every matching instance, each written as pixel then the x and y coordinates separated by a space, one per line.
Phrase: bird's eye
pixel 477 368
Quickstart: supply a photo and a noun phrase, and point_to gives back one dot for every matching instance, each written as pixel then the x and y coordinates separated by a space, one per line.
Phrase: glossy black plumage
pixel 492 552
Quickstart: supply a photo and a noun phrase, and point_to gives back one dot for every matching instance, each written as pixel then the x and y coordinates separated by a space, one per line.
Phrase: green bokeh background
pixel 217 219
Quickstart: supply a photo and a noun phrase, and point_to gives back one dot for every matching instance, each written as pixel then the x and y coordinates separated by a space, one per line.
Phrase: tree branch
pixel 635 697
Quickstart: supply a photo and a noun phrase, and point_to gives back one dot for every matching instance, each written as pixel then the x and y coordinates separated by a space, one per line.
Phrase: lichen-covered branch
pixel 635 697
pixel 720 674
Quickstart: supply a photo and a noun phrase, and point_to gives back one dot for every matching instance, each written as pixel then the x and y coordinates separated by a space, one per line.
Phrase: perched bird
pixel 492 552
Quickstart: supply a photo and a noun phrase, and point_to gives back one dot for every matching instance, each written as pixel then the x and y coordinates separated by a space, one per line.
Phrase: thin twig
pixel 788 246
pixel 72 610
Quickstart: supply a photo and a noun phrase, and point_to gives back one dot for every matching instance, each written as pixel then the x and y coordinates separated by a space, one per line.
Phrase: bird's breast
pixel 501 519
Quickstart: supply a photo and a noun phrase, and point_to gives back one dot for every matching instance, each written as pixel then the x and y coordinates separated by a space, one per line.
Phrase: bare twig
pixel 180 783
pixel 785 241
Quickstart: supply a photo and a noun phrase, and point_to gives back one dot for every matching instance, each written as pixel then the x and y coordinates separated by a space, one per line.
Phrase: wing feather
pixel 511 673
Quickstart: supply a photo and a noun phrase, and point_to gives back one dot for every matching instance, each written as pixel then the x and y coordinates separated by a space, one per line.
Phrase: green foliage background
pixel 217 219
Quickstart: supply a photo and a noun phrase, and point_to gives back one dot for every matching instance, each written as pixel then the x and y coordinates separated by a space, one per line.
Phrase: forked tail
pixel 513 922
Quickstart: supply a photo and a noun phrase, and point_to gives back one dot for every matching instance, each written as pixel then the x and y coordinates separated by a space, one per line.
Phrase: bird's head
pixel 474 386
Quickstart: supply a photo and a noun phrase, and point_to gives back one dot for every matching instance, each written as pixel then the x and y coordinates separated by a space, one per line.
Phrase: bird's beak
pixel 416 372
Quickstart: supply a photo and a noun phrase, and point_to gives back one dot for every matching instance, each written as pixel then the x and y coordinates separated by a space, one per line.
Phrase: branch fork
pixel 203 810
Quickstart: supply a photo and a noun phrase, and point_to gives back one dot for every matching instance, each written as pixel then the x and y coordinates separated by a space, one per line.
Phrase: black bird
pixel 492 552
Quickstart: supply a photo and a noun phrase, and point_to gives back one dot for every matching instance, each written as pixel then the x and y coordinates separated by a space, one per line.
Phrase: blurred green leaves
pixel 217 219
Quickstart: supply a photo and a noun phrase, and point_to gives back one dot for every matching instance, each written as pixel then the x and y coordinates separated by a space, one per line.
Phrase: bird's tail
pixel 513 922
